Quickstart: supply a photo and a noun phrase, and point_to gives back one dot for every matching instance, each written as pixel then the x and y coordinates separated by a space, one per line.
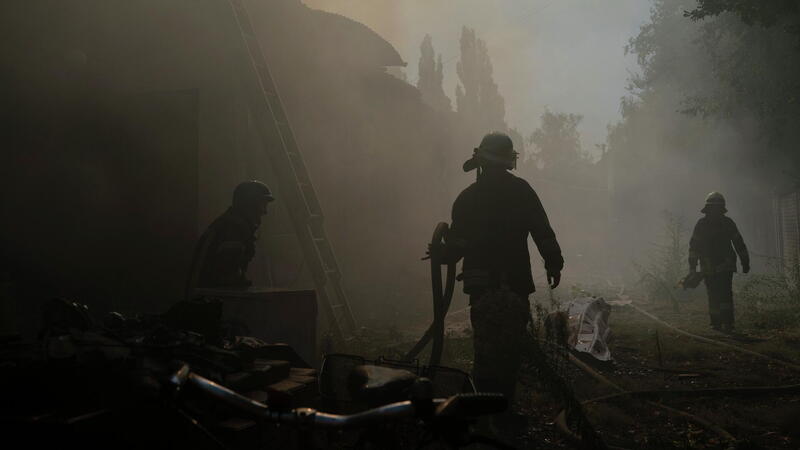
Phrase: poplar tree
pixel 431 76
pixel 478 99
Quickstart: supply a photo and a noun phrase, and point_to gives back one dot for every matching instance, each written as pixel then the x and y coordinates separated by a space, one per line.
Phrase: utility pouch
pixel 475 280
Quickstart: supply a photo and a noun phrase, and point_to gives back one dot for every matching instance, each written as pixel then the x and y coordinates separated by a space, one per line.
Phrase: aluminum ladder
pixel 278 141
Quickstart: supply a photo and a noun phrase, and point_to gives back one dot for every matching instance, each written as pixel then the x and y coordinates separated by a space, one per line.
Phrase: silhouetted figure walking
pixel 491 222
pixel 711 246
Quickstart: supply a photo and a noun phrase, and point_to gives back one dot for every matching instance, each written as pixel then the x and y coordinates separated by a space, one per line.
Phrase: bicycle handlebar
pixel 459 406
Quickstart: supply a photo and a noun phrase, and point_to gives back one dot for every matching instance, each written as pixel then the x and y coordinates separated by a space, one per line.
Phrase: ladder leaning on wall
pixel 305 212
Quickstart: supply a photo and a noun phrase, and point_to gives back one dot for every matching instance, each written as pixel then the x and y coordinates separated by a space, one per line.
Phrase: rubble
pixel 87 382
pixel 587 326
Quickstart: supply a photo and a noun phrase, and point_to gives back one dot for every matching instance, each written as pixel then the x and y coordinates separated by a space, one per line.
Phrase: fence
pixel 787 224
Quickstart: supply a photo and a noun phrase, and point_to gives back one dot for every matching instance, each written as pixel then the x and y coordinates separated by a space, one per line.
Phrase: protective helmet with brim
pixel 714 200
pixel 250 192
pixel 496 149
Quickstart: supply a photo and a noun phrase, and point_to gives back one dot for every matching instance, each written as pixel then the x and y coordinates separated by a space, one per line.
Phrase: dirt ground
pixel 763 420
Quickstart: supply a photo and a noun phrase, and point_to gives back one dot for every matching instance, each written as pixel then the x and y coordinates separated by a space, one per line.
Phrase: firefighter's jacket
pixel 491 221
pixel 715 243
pixel 223 253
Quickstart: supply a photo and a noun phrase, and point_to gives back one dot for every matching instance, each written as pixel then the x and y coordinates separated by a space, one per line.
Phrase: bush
pixel 667 261
pixel 770 300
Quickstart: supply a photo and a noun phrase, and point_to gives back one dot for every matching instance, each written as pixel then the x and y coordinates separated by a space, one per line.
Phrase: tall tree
pixel 752 12
pixel 752 50
pixel 557 142
pixel 431 76
pixel 732 62
pixel 478 99
pixel 662 159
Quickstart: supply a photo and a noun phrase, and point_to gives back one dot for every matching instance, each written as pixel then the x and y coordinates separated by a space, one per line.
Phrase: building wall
pixel 113 122
pixel 787 219
pixel 373 149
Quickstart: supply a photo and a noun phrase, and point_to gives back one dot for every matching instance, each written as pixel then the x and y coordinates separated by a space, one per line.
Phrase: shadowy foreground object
pixel 225 250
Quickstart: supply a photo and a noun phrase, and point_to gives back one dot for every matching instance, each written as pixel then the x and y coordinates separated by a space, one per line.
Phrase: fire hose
pixel 442 296
pixel 715 342
pixel 657 393
pixel 722 433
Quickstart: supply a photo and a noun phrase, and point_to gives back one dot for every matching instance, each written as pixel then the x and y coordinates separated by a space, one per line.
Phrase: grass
pixel 777 338
pixel 757 420
pixel 766 320
pixel 393 344
pixel 771 300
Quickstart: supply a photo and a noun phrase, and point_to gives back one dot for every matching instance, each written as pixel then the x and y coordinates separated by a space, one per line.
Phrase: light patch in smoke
pixel 563 54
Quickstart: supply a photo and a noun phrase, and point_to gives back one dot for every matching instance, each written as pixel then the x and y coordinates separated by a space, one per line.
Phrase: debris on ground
pixel 106 385
pixel 587 326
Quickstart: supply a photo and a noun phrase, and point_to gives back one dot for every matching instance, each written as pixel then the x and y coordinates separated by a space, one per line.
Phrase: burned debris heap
pixel 131 123
pixel 101 384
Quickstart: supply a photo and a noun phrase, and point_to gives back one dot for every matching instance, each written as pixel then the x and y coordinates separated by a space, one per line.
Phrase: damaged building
pixel 126 126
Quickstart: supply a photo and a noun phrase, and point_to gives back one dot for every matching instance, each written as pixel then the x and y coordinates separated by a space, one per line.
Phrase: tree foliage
pixel 729 61
pixel 431 76
pixel 667 260
pixel 557 142
pixel 751 12
pixel 754 55
pixel 478 99
pixel 660 158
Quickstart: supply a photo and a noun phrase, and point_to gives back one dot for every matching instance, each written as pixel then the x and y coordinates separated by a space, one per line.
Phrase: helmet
pixel 495 149
pixel 714 199
pixel 250 193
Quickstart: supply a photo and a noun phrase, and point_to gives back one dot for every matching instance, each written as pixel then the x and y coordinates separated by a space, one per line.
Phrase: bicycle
pixel 447 420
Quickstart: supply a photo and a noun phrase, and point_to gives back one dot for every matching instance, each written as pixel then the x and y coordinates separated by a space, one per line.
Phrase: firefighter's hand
pixel 437 252
pixel 553 279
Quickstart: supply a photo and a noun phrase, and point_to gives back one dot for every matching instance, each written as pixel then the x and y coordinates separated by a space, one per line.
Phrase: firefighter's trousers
pixel 499 320
pixel 720 298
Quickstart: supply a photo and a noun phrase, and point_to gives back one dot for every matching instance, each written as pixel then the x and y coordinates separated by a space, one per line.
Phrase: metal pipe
pixel 228 396
pixel 392 411
pixel 305 416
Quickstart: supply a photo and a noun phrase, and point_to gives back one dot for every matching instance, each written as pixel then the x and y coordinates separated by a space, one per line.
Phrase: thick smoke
pixel 567 55
pixel 132 118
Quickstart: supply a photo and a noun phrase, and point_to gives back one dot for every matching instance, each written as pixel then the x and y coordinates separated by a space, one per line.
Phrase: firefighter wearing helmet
pixel 491 222
pixel 226 248
pixel 715 244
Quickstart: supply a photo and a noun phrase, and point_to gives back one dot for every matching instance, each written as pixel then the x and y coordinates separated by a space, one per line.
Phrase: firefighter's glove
pixel 745 268
pixel 553 279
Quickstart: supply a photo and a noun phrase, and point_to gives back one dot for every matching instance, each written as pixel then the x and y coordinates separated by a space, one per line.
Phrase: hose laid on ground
pixel 739 390
pixel 560 420
pixel 586 436
pixel 719 343
pixel 561 423
pixel 698 420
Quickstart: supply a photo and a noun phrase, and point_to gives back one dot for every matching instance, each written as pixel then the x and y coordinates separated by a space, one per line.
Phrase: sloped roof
pixel 349 33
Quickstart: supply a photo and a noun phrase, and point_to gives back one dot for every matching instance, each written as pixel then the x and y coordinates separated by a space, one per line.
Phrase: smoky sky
pixel 566 55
